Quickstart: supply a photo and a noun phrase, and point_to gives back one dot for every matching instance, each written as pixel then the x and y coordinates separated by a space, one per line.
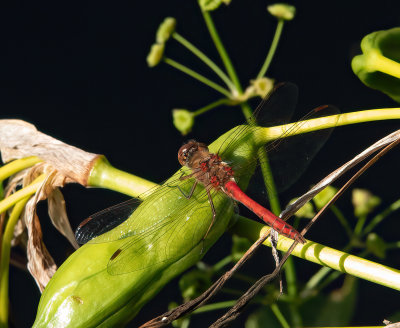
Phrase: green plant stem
pixel 278 314
pixel 11 200
pixel 381 216
pixel 5 259
pixel 17 165
pixel 219 102
pixel 222 263
pixel 325 256
pixel 375 61
pixel 221 50
pixel 215 306
pixel 247 112
pixel 104 175
pixel 360 225
pixel 345 224
pixel 272 49
pixel 205 59
pixel 197 76
pixel 265 135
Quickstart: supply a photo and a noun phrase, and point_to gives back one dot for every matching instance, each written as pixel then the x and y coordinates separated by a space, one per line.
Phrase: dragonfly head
pixel 186 152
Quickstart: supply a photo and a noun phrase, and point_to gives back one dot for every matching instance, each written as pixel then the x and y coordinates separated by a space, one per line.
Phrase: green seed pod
pixel 108 280
pixel 183 120
pixel 379 65
pixel 282 11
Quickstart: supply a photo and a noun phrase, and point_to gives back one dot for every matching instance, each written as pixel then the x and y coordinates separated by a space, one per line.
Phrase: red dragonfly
pixel 181 208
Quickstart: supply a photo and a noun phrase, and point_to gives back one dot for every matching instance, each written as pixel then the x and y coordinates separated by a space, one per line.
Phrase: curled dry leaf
pixel 61 164
pixel 19 139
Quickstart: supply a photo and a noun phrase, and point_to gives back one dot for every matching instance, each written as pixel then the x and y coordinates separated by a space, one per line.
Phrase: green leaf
pixel 376 245
pixel 335 309
pixel 193 283
pixel 261 318
pixel 239 247
pixel 379 65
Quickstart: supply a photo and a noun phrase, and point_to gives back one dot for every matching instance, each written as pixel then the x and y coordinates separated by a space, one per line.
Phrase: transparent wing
pixel 105 220
pixel 179 227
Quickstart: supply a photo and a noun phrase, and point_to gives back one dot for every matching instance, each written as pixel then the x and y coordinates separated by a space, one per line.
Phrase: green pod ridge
pixel 88 291
pixel 379 65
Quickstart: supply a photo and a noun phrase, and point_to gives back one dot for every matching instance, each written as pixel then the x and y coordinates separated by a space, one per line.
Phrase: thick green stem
pixel 197 76
pixel 5 259
pixel 377 62
pixel 104 175
pixel 326 256
pixel 272 49
pixel 265 135
pixel 205 59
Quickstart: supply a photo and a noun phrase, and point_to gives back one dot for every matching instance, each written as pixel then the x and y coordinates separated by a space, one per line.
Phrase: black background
pixel 77 71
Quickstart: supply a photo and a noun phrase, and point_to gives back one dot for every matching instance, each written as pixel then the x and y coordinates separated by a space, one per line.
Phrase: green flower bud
pixel 364 202
pixel 210 5
pixel 282 11
pixel 183 120
pixel 376 245
pixel 156 54
pixel 305 212
pixel 324 197
pixel 379 65
pixel 262 86
pixel 167 27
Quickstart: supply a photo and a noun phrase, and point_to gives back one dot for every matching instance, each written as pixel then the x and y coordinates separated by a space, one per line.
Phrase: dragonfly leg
pixel 214 213
pixel 188 196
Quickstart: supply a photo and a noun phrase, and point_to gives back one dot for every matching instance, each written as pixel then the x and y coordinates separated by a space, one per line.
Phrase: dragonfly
pixel 201 195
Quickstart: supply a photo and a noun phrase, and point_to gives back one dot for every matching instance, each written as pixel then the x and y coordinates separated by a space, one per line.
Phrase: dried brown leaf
pixel 19 139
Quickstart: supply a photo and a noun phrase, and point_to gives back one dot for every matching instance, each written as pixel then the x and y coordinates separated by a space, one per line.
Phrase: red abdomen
pixel 275 222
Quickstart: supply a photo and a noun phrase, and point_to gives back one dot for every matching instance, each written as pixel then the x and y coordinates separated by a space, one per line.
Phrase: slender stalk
pixel 11 200
pixel 272 49
pixel 326 256
pixel 381 216
pixel 221 50
pixel 5 259
pixel 345 224
pixel 17 165
pixel 214 104
pixel 215 306
pixel 278 314
pixel 247 112
pixel 197 76
pixel 205 59
pixel 360 225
